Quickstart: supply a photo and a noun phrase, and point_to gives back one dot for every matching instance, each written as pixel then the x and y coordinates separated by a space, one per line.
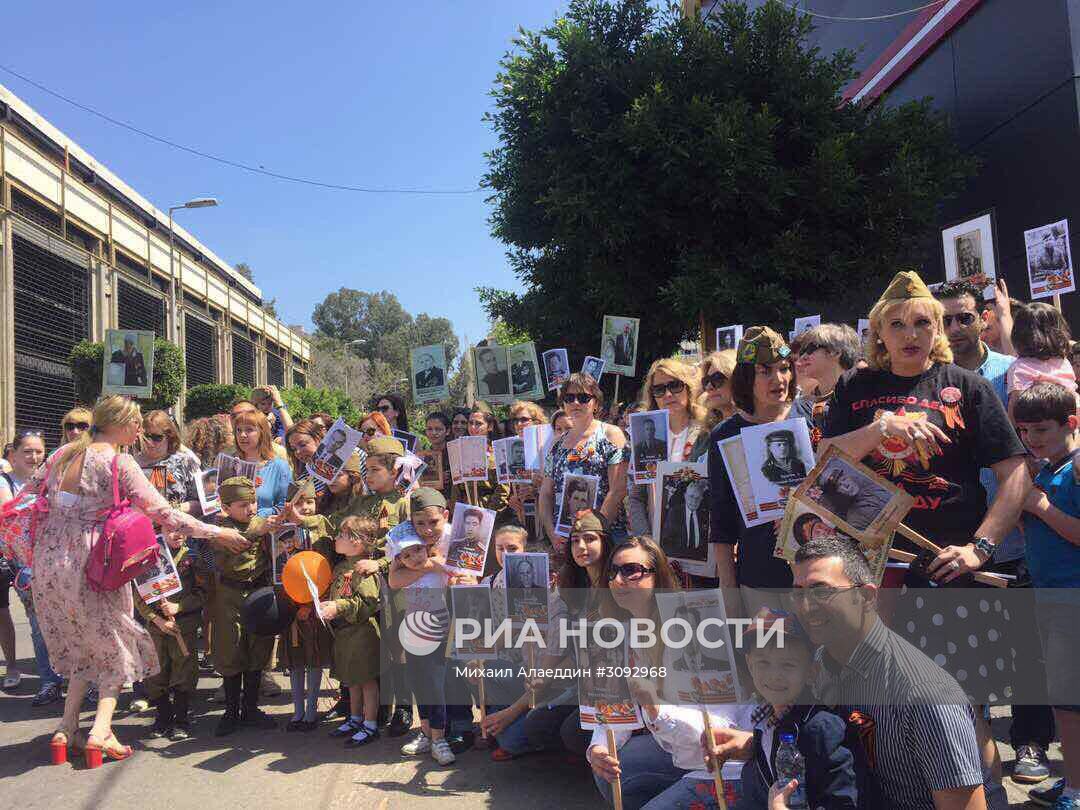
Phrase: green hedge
pixel 213 398
pixel 87 363
pixel 207 400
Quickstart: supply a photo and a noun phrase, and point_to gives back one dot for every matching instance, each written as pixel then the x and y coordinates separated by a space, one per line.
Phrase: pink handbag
pixel 126 546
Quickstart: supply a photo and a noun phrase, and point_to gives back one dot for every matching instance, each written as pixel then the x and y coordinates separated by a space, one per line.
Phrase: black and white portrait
pixel 470 536
pixel 525 379
pixel 778 457
pixel 129 364
pixel 970 252
pixel 694 657
pixel 684 519
pixel 649 443
pixel 334 450
pixel 1049 260
pixel 579 492
pixel 594 367
pixel 492 372
pixel 429 373
pixel 728 337
pixel 782 463
pixel 229 466
pixel 618 344
pixel 510 460
pixel 557 367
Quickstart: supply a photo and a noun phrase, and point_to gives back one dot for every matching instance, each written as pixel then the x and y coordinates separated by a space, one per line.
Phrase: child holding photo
pixel 383 502
pixel 352 609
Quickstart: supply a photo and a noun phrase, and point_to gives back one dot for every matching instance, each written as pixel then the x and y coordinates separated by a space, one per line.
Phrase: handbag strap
pixel 116 481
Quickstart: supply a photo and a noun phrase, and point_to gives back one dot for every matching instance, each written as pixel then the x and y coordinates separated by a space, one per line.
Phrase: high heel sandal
pixel 96 752
pixel 61 741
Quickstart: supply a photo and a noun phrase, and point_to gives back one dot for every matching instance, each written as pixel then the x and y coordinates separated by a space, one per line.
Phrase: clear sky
pixel 361 93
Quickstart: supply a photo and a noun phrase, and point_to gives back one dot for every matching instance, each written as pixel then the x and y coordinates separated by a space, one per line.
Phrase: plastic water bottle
pixel 791 765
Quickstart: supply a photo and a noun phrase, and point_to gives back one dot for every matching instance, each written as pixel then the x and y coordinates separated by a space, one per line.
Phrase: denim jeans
pixel 687 793
pixel 514 738
pixel 647 771
pixel 46 674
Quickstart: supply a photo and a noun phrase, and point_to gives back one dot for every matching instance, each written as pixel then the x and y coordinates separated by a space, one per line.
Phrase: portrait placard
pixel 228 466
pixel 434 474
pixel 334 451
pixel 778 456
pixel 430 380
pixel 618 344
pixel 806 323
pixel 593 366
pixel 162 579
pixel 731 451
pixel 510 461
pixel 604 695
pixel 864 330
pixel 410 440
pixel 491 367
pixel 472 602
pixel 206 488
pixel 728 337
pixel 578 492
pixel 1049 260
pixel 128 363
pixel 556 368
pixel 468 459
pixel 470 537
pixel 528 587
pixel 701 671
pixel 648 444
pixel 526 381
pixel 538 440
pixel 971 252
pixel 285 541
pixel 681 515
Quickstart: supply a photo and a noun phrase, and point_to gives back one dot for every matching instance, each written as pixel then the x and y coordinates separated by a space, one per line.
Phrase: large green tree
pixel 665 168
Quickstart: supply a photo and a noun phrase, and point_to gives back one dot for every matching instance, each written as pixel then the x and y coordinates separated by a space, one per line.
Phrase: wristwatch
pixel 985 545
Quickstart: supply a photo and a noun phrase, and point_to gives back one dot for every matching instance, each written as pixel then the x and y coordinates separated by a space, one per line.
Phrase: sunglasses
pixel 808 349
pixel 630 572
pixel 964 319
pixel 22 434
pixel 76 425
pixel 580 399
pixel 818 597
pixel 369 432
pixel 154 437
pixel 674 387
pixel 385 408
pixel 517 420
pixel 716 379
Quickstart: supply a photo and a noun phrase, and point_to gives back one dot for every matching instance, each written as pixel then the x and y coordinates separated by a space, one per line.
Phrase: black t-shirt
pixel 950 503
pixel 756 566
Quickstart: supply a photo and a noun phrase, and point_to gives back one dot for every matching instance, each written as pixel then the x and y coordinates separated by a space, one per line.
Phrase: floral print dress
pixel 93 635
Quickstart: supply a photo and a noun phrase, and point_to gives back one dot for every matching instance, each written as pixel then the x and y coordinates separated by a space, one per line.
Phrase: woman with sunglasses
pixel 825 353
pixel 170 467
pixel 670 385
pixel 716 371
pixel 393 410
pixel 75 422
pixel 302 442
pixel 589 447
pixel 372 425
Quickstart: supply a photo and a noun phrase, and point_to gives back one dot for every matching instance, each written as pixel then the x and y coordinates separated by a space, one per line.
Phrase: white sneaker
pixel 420 744
pixel 441 753
pixel 139 705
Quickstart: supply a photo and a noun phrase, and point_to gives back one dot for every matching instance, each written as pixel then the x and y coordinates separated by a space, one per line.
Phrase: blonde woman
pixel 673 385
pixel 716 371
pixel 92 636
pixel 75 422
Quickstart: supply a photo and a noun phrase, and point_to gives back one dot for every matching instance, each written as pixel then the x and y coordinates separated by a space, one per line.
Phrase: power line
pixel 233 163
pixel 895 14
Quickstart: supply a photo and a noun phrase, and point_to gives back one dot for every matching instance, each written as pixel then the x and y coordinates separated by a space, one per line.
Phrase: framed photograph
pixel 728 337
pixel 128 367
pixel 700 673
pixel 681 515
pixel 778 456
pixel 806 323
pixel 1049 260
pixel 648 444
pixel 430 377
pixel 556 367
pixel 470 537
pixel 468 459
pixel 472 602
pixel 410 440
pixel 232 467
pixel 971 252
pixel 528 587
pixel 538 440
pixel 206 488
pixel 434 474
pixel 510 461
pixel 593 366
pixel 285 541
pixel 491 367
pixel 526 381
pixel 731 451
pixel 578 492
pixel 334 450
pixel 690 351
pixel 604 696
pixel 162 579
pixel 618 344
pixel 864 330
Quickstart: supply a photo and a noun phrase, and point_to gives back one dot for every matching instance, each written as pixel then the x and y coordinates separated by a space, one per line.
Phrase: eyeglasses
pixel 384 408
pixel 674 387
pixel 517 420
pixel 478 423
pixel 154 437
pixel 630 572
pixel 964 319
pixel 818 596
pixel 369 432
pixel 580 399
pixel 76 425
pixel 716 379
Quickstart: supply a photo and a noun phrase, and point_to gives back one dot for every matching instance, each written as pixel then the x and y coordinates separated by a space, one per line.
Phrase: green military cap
pixel 385 446
pixel 352 464
pixel 304 488
pixel 760 345
pixel 235 489
pixel 905 285
pixel 423 497
pixel 590 520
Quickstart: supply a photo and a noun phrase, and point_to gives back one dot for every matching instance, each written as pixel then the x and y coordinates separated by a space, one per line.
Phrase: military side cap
pixel 352 464
pixel 781 436
pixel 235 489
pixel 385 446
pixel 423 497
pixel 590 520
pixel 303 487
pixel 760 345
pixel 905 285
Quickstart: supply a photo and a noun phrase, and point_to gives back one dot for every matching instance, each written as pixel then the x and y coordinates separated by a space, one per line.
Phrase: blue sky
pixel 362 93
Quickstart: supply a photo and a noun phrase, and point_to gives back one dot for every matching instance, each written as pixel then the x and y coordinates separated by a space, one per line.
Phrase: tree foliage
pixel 659 167
pixel 244 269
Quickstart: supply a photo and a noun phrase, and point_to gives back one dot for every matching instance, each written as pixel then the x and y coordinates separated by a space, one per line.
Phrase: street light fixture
pixel 198 202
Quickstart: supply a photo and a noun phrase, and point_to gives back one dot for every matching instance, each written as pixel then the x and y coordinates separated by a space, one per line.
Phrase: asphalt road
pixel 274 770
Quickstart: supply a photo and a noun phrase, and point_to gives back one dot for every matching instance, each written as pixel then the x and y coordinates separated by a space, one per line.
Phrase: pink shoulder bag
pixel 126 546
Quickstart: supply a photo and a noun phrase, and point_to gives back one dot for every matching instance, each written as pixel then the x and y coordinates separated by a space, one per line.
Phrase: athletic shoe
pixel 181 732
pixel 139 705
pixel 364 736
pixel 1048 796
pixel 441 753
pixel 420 744
pixel 1031 765
pixel 49 693
pixel 400 721
pixel 460 743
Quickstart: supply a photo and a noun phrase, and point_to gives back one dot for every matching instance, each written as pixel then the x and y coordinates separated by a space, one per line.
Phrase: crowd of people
pixel 969 406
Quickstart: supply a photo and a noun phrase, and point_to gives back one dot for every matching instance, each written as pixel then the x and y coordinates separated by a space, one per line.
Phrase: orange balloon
pixel 294 582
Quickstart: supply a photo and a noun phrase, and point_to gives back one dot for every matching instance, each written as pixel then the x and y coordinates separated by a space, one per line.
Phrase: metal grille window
pixel 34 211
pixel 83 238
pixel 52 314
pixel 140 309
pixel 243 360
pixel 299 379
pixel 133 266
pixel 200 351
pixel 275 366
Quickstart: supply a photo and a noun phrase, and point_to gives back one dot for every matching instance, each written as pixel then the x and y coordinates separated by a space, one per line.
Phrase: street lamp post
pixel 198 202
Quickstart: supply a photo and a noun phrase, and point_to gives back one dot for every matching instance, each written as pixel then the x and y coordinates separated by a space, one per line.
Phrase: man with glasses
pixel 966 317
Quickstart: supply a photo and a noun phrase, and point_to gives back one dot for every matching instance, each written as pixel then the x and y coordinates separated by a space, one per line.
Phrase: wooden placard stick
pixel 616 786
pixel 980 576
pixel 718 780
pixel 483 701
pixel 1057 301
pixel 617 375
pixel 531 652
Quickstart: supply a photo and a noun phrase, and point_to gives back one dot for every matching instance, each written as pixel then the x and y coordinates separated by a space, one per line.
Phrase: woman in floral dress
pixel 92 636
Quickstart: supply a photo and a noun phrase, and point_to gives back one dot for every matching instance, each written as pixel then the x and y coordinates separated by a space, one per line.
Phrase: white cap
pixel 401 537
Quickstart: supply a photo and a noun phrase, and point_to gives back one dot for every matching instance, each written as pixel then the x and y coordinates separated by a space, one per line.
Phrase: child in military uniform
pixel 352 609
pixel 179 672
pixel 383 501
pixel 239 655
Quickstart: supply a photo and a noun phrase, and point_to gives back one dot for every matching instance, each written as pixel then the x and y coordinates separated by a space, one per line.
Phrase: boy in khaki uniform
pixel 239 655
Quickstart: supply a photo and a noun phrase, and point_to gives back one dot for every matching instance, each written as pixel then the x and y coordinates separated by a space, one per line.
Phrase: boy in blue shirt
pixel 1046 420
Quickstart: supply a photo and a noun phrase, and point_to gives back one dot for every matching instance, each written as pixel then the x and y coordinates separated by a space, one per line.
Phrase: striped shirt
pixel 924 728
